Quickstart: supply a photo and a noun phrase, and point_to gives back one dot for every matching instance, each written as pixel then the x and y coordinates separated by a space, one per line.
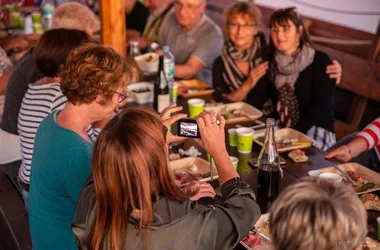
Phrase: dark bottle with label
pixel 269 169
pixel 161 88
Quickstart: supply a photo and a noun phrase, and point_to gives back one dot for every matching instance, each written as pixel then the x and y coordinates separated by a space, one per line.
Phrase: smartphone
pixel 188 128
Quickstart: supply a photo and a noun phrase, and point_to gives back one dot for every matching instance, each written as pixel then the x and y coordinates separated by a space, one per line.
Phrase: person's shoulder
pixel 321 58
pixel 211 27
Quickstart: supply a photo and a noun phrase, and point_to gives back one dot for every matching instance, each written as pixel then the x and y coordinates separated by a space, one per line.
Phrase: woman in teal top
pixel 93 79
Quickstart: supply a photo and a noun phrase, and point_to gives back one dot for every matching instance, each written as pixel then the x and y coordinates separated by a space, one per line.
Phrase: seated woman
pixel 306 93
pixel 44 96
pixel 133 202
pixel 363 148
pixel 93 79
pixel 323 215
pixel 240 73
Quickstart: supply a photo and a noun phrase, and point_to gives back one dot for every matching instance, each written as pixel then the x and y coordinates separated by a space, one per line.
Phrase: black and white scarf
pixel 284 72
pixel 232 75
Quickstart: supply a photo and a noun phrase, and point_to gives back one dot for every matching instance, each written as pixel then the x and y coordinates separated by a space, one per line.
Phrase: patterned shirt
pixel 371 134
pixel 5 63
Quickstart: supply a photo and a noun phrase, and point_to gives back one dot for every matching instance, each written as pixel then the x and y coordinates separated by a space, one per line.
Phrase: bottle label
pixel 163 101
pixel 169 69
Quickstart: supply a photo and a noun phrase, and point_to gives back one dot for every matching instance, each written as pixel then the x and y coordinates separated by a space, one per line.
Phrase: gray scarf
pixel 287 68
pixel 284 72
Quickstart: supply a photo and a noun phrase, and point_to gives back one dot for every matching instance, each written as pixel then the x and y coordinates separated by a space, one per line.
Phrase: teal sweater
pixel 61 164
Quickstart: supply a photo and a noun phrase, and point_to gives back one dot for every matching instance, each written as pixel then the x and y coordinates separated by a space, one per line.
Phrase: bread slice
pixel 298 156
pixel 371 202
pixel 372 244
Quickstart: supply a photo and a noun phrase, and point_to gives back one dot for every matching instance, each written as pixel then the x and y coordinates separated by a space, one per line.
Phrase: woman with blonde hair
pixel 93 79
pixel 133 201
pixel 316 215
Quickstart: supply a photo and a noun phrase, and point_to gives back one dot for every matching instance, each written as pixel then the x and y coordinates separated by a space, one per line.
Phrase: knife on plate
pixel 345 177
pixel 296 143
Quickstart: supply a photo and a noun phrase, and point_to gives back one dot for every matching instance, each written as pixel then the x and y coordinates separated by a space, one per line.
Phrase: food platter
pixel 253 241
pixel 184 169
pixel 359 174
pixel 287 139
pixel 236 112
pixel 193 88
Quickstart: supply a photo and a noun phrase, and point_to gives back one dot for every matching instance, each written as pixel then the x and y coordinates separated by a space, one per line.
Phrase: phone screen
pixel 188 128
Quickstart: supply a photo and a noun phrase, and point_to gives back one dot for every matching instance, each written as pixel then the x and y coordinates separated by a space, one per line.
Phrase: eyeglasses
pixel 122 96
pixel 241 26
pixel 192 7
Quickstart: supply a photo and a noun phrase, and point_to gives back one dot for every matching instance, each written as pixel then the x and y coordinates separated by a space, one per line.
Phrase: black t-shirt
pixel 138 17
pixel 24 73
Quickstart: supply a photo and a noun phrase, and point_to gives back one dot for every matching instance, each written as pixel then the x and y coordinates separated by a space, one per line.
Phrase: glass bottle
pixel 161 88
pixel 134 49
pixel 269 168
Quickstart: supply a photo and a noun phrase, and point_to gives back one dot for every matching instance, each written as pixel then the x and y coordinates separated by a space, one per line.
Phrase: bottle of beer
pixel 161 88
pixel 269 169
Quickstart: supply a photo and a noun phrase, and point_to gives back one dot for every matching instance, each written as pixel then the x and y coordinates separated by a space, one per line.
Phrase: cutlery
pixel 296 143
pixel 261 234
pixel 192 176
pixel 345 177
pixel 211 169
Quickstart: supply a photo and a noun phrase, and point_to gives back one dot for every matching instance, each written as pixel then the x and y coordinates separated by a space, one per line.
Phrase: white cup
pixel 314 174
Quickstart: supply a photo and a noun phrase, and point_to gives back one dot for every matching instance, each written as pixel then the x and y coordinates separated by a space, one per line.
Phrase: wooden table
pixel 293 172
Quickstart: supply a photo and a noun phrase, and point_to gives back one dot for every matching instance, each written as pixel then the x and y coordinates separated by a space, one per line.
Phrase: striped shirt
pixel 38 102
pixel 371 134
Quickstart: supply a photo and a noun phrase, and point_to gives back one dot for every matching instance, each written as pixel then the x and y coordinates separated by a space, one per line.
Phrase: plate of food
pixel 148 62
pixel 193 88
pixel 236 112
pixel 365 179
pixel 192 169
pixel 287 139
pixel 370 201
pixel 141 92
pixel 260 236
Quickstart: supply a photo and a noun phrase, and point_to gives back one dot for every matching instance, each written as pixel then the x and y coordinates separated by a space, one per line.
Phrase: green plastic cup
pixel 196 106
pixel 37 28
pixel 36 17
pixel 21 22
pixel 15 18
pixel 232 137
pixel 234 161
pixel 175 92
pixel 378 228
pixel 244 140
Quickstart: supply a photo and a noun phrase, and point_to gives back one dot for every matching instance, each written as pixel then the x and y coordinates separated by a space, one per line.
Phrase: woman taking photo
pixel 240 73
pixel 93 79
pixel 133 201
pixel 306 93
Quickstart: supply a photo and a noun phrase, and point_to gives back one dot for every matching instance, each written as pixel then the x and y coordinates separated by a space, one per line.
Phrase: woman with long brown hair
pixel 133 201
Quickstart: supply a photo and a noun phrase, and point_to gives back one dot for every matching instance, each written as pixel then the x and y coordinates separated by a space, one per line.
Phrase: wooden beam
pixel 112 15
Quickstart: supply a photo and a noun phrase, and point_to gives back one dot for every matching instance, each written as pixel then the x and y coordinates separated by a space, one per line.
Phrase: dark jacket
pixel 184 225
pixel 314 89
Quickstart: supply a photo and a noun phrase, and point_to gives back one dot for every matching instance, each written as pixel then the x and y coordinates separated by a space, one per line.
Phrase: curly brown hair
pixel 93 70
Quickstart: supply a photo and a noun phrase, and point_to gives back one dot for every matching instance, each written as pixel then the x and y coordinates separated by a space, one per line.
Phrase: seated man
pixel 158 11
pixel 318 215
pixel 194 39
